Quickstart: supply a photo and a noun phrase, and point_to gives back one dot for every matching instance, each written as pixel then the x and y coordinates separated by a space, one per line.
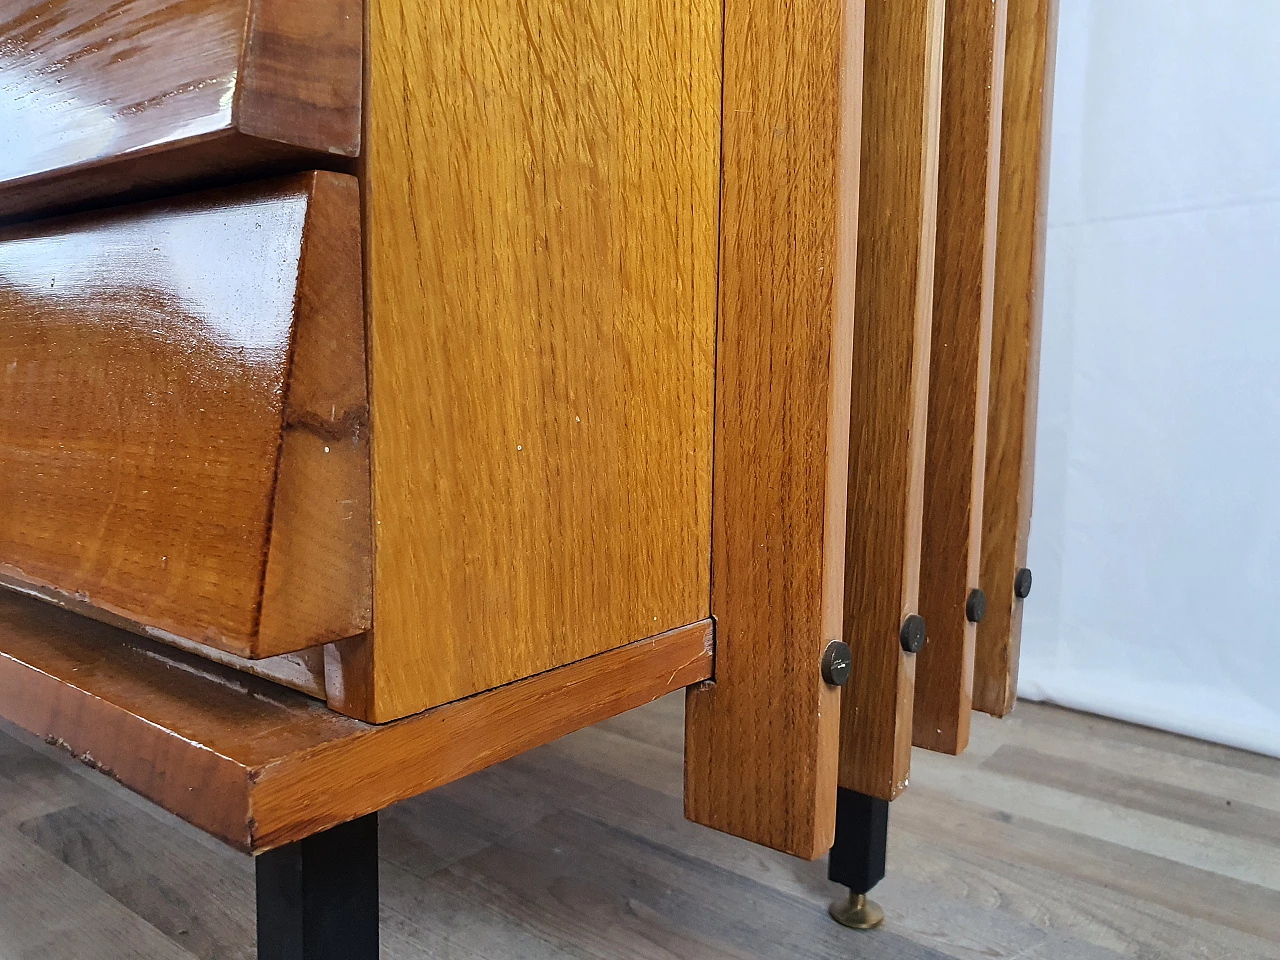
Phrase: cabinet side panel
pixel 541 190
pixel 761 743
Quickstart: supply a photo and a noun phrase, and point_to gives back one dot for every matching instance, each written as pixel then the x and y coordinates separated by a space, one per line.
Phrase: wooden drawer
pixel 183 415
pixel 123 99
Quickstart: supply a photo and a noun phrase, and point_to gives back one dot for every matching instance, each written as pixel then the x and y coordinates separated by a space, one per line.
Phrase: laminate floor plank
pixel 1180 842
pixel 147 868
pixel 433 830
pixel 432 918
pixel 1051 720
pixel 32 784
pixel 1215 777
pixel 1057 836
pixel 1234 818
pixel 1097 911
pixel 49 912
pixel 600 887
pixel 947 830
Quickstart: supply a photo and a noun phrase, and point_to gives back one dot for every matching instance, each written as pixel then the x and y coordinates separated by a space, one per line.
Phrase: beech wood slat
pixel 959 367
pixel 183 416
pixel 762 742
pixel 901 103
pixel 260 766
pixel 126 99
pixel 540 201
pixel 1015 345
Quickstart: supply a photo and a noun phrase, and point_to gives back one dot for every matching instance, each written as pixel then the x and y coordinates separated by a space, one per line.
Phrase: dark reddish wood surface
pixel 183 415
pixel 260 766
pixel 129 98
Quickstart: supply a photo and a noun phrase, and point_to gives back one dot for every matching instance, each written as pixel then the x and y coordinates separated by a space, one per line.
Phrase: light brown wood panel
pixel 183 415
pixel 762 742
pixel 259 766
pixel 1015 345
pixel 127 98
pixel 901 103
pixel 959 366
pixel 541 208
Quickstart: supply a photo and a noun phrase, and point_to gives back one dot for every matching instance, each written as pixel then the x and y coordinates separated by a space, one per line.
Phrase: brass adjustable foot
pixel 857 912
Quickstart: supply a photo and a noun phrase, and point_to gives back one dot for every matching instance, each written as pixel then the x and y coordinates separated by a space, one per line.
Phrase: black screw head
pixel 914 633
pixel 975 607
pixel 837 662
pixel 1022 584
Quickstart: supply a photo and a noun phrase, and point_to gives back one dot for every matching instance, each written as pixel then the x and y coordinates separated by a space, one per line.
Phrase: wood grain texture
pixel 1015 345
pixel 762 742
pixel 125 99
pixel 540 190
pixel 579 848
pixel 259 766
pixel 183 416
pixel 901 104
pixel 959 366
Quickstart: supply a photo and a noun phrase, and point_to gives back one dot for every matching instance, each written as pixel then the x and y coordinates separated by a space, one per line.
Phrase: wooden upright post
pixel 1015 348
pixel 951 597
pixel 896 219
pixel 761 743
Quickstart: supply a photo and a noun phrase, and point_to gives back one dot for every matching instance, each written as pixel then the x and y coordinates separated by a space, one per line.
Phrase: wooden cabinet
pixel 471 449
pixel 484 368
pixel 556 310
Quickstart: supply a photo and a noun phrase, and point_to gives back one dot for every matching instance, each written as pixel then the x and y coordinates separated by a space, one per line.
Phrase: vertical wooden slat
pixel 1015 345
pixel 897 208
pixel 964 282
pixel 761 743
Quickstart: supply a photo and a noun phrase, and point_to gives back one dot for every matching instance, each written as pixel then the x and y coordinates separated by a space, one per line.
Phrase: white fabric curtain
pixel 1156 535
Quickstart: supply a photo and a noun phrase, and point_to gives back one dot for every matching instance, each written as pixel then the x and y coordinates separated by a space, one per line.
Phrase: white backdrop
pixel 1156 534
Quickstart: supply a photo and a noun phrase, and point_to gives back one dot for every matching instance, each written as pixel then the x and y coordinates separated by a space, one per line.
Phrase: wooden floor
pixel 1057 836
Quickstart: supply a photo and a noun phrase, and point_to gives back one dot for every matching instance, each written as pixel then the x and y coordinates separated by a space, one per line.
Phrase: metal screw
pixel 837 661
pixel 914 633
pixel 975 607
pixel 1022 584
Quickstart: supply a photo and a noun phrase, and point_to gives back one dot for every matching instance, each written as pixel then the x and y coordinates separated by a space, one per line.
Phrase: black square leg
pixel 857 859
pixel 318 898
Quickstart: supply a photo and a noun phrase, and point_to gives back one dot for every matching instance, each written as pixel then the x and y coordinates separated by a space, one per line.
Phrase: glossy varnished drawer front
pixel 117 98
pixel 183 415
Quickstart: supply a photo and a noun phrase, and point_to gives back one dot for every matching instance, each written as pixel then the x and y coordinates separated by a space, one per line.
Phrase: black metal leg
pixel 318 898
pixel 857 859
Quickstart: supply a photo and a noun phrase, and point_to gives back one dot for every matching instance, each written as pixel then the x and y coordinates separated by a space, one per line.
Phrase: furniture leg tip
pixel 856 912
